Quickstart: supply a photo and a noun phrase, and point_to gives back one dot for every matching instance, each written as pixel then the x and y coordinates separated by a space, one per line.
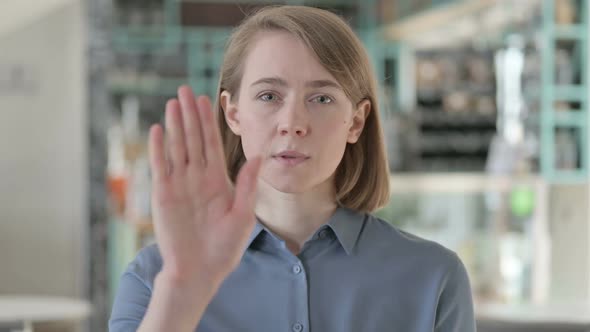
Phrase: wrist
pixel 177 304
pixel 189 286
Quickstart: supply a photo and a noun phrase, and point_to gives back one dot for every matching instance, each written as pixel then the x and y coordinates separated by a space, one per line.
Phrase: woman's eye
pixel 322 99
pixel 268 97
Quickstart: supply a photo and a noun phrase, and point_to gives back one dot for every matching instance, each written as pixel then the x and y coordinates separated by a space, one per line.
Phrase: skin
pixel 202 222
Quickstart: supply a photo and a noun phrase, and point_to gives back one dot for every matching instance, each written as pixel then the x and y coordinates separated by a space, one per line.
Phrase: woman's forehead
pixel 285 57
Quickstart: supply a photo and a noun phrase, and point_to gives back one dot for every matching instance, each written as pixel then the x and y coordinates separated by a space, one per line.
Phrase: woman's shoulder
pixel 146 264
pixel 385 237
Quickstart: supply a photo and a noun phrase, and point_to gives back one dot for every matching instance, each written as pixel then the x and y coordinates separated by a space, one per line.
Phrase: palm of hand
pixel 201 222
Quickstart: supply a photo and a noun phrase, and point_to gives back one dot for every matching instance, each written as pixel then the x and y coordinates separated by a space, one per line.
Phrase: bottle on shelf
pixel 116 173
pixel 138 176
pixel 128 174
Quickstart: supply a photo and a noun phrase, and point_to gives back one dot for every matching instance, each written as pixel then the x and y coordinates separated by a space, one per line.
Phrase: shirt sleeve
pixel 130 304
pixel 454 311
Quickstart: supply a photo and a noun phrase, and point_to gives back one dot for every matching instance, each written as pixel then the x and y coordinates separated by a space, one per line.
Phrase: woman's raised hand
pixel 201 222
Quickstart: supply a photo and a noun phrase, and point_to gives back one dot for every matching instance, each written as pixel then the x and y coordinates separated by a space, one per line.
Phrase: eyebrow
pixel 312 84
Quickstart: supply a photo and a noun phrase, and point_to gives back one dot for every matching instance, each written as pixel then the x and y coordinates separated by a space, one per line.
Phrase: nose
pixel 294 120
pixel 295 130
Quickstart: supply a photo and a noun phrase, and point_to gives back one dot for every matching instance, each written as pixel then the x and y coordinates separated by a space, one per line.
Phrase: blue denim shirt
pixel 357 273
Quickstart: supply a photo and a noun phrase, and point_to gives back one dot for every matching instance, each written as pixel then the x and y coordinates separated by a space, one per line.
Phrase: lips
pixel 291 154
pixel 290 157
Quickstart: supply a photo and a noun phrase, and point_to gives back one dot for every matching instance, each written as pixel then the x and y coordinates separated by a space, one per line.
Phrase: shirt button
pixel 323 233
pixel 297 327
pixel 296 269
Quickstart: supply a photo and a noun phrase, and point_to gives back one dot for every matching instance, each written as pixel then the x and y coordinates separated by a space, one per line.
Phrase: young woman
pixel 263 220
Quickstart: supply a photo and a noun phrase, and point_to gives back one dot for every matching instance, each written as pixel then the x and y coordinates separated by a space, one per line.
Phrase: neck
pixel 294 217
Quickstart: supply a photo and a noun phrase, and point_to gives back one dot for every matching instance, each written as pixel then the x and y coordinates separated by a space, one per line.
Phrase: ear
pixel 230 111
pixel 358 120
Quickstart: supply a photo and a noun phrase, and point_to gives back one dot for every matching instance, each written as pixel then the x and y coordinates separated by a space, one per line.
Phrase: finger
pixel 175 133
pixel 245 192
pixel 213 149
pixel 192 126
pixel 156 153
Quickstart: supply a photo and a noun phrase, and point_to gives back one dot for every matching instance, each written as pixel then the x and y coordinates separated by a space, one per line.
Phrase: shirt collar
pixel 345 223
pixel 258 228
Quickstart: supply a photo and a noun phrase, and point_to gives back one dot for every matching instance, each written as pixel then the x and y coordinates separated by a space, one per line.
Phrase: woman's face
pixel 294 113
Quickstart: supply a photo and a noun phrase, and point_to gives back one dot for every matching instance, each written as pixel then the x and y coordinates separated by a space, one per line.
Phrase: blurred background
pixel 484 106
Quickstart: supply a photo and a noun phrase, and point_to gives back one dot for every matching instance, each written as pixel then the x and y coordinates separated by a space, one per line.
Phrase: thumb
pixel 245 192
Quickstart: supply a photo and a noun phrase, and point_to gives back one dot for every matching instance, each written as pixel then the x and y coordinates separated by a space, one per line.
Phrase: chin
pixel 288 185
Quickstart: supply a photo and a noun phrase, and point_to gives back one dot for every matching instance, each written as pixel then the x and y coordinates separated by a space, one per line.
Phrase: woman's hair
pixel 362 177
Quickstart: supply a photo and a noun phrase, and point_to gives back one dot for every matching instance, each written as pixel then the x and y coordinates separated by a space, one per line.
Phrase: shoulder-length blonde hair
pixel 362 177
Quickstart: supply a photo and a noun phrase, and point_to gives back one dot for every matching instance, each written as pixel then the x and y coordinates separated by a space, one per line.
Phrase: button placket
pixel 300 299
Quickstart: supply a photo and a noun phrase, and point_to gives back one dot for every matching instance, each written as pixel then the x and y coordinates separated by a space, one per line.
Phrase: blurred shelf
pixel 468 87
pixel 456 183
pixel 574 31
pixel 429 117
pixel 554 90
pixel 569 118
pixel 569 93
pixel 147 39
pixel 432 18
pixel 233 2
pixel 151 85
pixel 567 176
pixel 286 2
